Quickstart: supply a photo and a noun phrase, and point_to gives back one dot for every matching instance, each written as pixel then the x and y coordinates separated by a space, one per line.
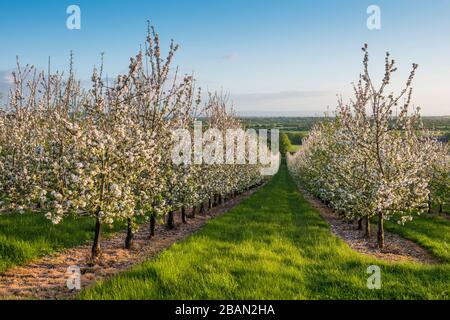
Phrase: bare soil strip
pixel 396 247
pixel 46 277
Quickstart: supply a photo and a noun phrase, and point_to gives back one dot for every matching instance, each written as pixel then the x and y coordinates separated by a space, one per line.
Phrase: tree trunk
pixel 368 233
pixel 152 225
pixel 440 207
pixel 209 203
pixel 96 251
pixel 170 221
pixel 380 235
pixel 220 199
pixel 429 203
pixel 193 212
pixel 183 214
pixel 202 208
pixel 360 224
pixel 130 235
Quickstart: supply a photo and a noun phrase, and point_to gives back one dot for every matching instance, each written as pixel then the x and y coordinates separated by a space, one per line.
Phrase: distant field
pixel 439 125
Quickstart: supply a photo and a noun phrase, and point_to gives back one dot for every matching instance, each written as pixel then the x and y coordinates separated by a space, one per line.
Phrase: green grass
pixel 294 148
pixel 273 245
pixel 24 237
pixel 431 232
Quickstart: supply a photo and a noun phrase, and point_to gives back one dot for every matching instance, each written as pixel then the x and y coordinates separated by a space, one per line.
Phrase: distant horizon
pixel 307 114
pixel 250 116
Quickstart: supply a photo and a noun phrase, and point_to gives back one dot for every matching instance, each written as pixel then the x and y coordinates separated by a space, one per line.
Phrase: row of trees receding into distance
pixel 365 162
pixel 106 151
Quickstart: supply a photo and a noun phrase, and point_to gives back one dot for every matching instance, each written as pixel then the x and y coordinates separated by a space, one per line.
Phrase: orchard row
pixel 374 158
pixel 106 151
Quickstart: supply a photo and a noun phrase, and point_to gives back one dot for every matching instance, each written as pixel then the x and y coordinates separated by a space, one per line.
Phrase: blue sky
pixel 285 57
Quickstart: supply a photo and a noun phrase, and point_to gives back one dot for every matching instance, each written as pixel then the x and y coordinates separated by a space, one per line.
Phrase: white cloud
pixel 229 56
pixel 313 102
pixel 283 95
pixel 6 82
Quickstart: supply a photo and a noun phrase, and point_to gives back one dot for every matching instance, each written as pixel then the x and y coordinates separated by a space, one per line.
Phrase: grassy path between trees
pixel 273 245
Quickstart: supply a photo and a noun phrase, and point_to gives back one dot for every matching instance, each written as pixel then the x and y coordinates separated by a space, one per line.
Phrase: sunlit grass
pixel 431 232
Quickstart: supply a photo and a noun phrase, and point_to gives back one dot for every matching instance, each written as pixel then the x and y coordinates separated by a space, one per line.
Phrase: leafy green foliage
pixel 285 143
pixel 296 137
